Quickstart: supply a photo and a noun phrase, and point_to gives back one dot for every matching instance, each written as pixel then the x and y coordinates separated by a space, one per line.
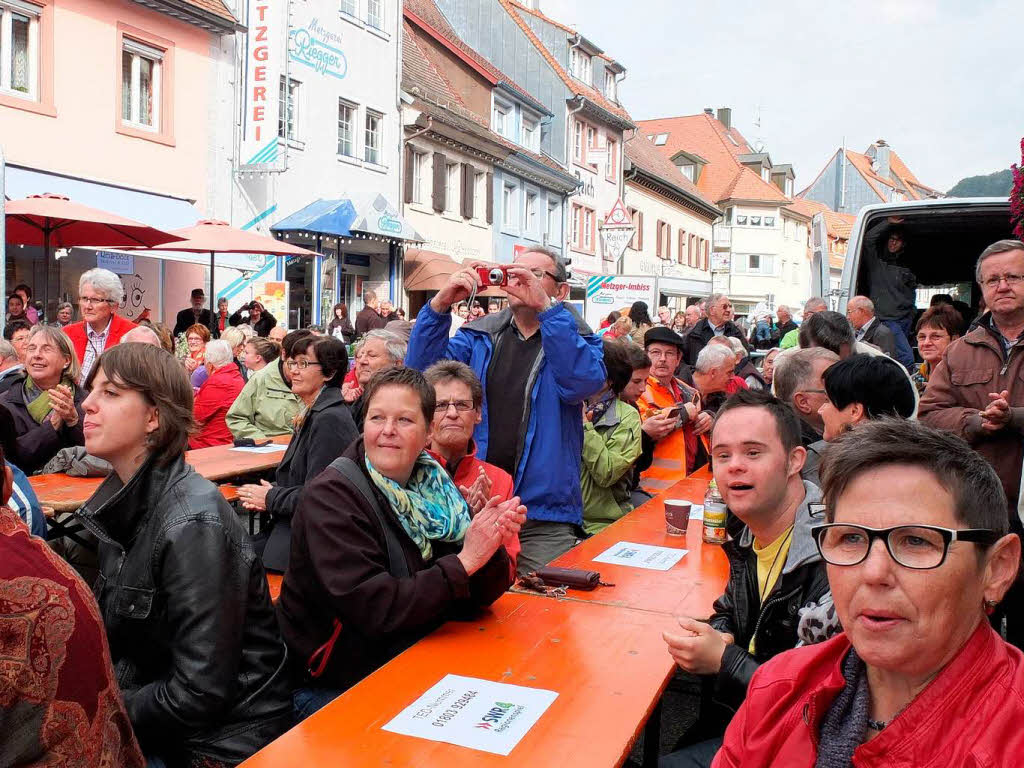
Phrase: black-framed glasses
pixel 539 274
pixel 920 547
pixel 461 406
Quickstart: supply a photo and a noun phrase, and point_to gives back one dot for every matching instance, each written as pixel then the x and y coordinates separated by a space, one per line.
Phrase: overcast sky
pixel 941 80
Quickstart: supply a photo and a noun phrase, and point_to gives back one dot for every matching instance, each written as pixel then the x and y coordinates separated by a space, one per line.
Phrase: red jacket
pixel 969 716
pixel 77 333
pixel 216 395
pixel 465 474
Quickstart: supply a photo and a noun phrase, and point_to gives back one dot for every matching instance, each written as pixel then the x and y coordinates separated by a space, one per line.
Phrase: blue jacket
pixel 569 369
pixel 25 504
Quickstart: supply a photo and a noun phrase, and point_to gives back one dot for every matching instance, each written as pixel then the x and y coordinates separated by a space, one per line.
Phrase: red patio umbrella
pixel 213 237
pixel 54 221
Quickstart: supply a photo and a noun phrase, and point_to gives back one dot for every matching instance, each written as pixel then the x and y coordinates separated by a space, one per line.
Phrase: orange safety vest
pixel 668 466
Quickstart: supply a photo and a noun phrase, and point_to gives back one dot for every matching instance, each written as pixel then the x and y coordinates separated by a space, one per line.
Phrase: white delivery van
pixel 943 241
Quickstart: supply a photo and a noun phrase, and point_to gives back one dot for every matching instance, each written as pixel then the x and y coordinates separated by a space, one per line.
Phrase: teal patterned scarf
pixel 429 506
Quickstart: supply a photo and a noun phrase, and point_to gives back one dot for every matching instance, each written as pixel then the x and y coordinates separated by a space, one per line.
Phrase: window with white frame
pixel 501 121
pixel 789 187
pixel 479 195
pixel 140 84
pixel 577 226
pixel 766 174
pixel 347 113
pixel 554 221
pixel 288 114
pixel 609 85
pixel 611 163
pixel 19 48
pixel 530 212
pixel 591 137
pixel 509 209
pixel 688 170
pixel 451 187
pixel 757 264
pixel 531 133
pixel 769 221
pixel 373 141
pixel 349 7
pixel 375 13
pixel 588 229
pixel 577 142
pixel 580 65
pixel 420 174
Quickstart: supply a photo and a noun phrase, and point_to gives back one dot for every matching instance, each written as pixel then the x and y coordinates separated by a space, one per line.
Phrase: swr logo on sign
pixel 494 715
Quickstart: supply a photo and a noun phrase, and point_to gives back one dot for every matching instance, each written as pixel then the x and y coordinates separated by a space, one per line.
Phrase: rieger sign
pixel 264 65
pixel 617 292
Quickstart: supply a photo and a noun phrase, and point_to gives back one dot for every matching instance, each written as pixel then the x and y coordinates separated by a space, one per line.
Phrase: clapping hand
pixel 62 403
pixel 498 522
pixel 997 415
pixel 477 494
pixel 700 650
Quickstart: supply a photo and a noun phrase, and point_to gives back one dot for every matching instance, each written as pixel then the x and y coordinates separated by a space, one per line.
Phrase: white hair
pixel 861 302
pixel 140 334
pixel 102 281
pixel 247 330
pixel 233 336
pixel 737 346
pixel 396 348
pixel 714 356
pixel 218 353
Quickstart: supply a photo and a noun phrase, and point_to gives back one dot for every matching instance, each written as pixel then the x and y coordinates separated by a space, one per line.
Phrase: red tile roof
pixel 724 177
pixel 419 70
pixel 514 10
pixel 426 13
pixel 642 152
pixel 901 178
pixel 215 7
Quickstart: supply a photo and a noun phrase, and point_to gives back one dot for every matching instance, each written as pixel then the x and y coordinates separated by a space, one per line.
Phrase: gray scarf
pixel 845 723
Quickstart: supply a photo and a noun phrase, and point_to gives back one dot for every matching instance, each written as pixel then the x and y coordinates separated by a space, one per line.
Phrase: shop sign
pixel 118 263
pixel 264 67
pixel 317 48
pixel 614 292
pixel 273 294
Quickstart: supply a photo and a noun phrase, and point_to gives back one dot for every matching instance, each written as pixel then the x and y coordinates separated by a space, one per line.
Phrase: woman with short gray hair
pixel 99 294
pixel 216 396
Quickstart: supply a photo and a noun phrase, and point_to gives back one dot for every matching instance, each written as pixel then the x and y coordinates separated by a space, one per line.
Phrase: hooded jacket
pixel 611 446
pixel 185 602
pixel 800 593
pixel 568 369
pixel 265 407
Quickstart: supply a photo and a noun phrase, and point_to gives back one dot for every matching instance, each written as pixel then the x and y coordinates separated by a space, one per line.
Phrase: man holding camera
pixel 537 361
pixel 256 316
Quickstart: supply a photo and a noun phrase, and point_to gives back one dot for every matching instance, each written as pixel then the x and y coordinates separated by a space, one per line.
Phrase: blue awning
pixel 342 217
pixel 160 211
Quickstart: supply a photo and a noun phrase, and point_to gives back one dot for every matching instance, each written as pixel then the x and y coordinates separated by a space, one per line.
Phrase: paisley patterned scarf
pixel 429 506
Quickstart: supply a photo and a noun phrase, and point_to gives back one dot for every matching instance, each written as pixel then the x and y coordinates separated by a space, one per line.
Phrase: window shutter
pixel 439 174
pixel 490 198
pixel 410 160
pixel 657 249
pixel 640 230
pixel 682 249
pixel 668 241
pixel 467 191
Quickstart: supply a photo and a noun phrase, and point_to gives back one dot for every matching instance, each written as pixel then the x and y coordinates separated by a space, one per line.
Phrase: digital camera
pixel 493 276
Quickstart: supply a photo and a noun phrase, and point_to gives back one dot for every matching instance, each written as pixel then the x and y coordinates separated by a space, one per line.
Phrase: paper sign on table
pixel 272 448
pixel 696 511
pixel 641 556
pixel 479 714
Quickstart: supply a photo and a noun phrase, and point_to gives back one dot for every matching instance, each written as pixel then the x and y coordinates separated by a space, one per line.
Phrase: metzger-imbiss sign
pixel 606 293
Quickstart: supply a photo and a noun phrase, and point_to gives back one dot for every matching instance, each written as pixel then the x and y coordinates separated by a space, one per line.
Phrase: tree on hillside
pixel 996 184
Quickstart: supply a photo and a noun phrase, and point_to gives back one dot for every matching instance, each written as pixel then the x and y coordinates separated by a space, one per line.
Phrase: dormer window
pixel 689 164
pixel 531 133
pixel 501 119
pixel 580 65
pixel 688 170
pixel 766 174
pixel 789 188
pixel 609 86
pixel 660 140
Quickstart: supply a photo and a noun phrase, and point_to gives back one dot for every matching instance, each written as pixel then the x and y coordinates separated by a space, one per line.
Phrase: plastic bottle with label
pixel 714 515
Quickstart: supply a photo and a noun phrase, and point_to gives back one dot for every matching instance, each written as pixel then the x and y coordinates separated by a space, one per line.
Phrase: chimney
pixel 534 4
pixel 882 159
pixel 709 111
pixel 725 117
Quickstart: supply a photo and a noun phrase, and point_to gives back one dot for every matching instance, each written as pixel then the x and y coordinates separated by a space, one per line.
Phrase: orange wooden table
pixel 689 588
pixel 608 665
pixel 67 494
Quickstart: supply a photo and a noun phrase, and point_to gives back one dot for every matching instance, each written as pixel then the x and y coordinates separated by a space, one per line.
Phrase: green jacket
pixel 266 406
pixel 610 448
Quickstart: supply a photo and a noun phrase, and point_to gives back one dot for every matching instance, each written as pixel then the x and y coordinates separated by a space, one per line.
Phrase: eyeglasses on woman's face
pixel 300 364
pixel 919 547
pixel 92 301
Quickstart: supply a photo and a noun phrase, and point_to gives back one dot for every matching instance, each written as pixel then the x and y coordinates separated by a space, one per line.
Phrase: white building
pixel 320 146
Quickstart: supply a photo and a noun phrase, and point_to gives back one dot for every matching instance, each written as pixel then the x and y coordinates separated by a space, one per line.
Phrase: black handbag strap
pixel 397 564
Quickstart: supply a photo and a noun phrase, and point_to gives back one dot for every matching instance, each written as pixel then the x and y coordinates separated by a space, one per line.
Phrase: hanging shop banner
pixel 273 295
pixel 606 293
pixel 265 51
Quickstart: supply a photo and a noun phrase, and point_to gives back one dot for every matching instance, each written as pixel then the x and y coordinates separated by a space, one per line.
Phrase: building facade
pixel 120 106
pixel 672 226
pixel 850 180
pixel 759 248
pixel 319 149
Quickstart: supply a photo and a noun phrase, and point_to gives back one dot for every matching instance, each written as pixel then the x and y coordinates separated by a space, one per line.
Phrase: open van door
pixel 819 257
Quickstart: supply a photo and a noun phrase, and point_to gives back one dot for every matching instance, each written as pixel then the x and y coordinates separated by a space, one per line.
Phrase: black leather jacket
pixel 193 635
pixel 798 596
